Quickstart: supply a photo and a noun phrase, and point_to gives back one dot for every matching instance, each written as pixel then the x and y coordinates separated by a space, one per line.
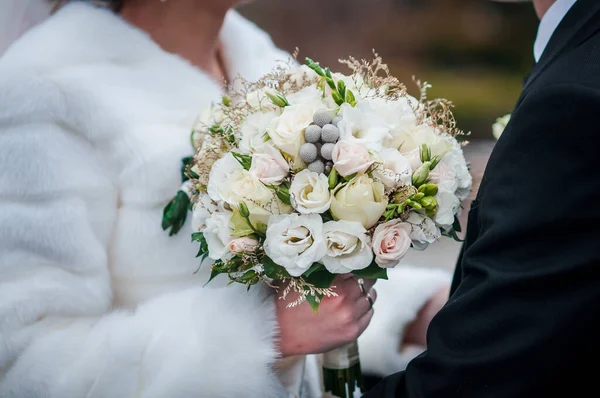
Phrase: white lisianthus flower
pixel 219 175
pixel 399 115
pixel 412 138
pixel 391 241
pixel 500 125
pixel 309 192
pixel 218 234
pixel 258 100
pixel 299 76
pixel 347 247
pixel 360 122
pixel 254 131
pixel 394 170
pixel 448 205
pixel 295 242
pixel 361 199
pixel 455 160
pixel 242 245
pixel 202 210
pixel 268 165
pixel 424 231
pixel 310 95
pixel 351 156
pixel 287 130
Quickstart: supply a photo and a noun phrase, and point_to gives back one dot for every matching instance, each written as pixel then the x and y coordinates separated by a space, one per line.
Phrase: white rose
pixel 254 131
pixel 203 208
pixel 399 115
pixel 219 176
pixel 360 122
pixel 424 231
pixel 242 245
pixel 351 156
pixel 347 247
pixel 268 165
pixel 395 170
pixel 287 130
pixel 233 185
pixel 361 199
pixel 500 125
pixel 295 242
pixel 300 76
pixel 309 192
pixel 391 241
pixel 218 234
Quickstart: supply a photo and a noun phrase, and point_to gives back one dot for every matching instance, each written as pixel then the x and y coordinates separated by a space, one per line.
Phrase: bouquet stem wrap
pixel 341 371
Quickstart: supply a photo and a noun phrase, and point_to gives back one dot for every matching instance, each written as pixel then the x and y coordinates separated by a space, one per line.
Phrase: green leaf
pixel 320 278
pixel 175 213
pixel 373 271
pixel 272 270
pixel 312 269
pixel 186 163
pixel 314 304
pixel 327 216
pixel 452 234
pixel 283 194
pixel 245 160
pixel 215 271
pixel 456 226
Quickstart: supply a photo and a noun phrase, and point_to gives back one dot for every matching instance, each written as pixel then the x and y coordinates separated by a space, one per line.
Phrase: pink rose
pixel 391 242
pixel 268 165
pixel 351 157
pixel 242 245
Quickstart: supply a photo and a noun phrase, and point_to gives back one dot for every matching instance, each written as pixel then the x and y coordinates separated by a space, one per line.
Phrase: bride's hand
pixel 340 320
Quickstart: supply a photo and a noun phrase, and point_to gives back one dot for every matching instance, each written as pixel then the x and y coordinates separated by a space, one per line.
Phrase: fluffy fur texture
pixel 95 299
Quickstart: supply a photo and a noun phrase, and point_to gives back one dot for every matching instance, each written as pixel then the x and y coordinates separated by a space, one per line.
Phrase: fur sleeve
pixel 399 299
pixel 59 337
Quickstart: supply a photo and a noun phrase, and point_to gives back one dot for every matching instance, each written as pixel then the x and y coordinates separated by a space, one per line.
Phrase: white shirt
pixel 548 25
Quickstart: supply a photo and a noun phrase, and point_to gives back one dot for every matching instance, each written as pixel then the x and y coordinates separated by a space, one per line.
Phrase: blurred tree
pixel 473 52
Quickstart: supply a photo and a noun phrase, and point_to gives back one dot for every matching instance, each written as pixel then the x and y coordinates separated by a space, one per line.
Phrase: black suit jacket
pixel 523 318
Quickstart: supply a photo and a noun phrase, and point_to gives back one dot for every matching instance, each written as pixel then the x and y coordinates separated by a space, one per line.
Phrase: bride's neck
pixel 189 28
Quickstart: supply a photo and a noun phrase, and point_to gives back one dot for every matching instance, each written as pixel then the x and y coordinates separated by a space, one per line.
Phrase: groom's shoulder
pixel 578 68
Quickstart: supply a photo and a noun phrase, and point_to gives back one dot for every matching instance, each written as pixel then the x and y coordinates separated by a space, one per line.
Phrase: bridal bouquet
pixel 306 174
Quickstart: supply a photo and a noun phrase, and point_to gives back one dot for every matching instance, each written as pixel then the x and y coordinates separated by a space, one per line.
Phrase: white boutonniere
pixel 500 125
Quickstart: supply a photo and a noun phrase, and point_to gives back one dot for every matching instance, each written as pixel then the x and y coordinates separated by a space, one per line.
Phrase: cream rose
pixel 309 192
pixel 295 241
pixel 361 199
pixel 287 130
pixel 220 174
pixel 268 165
pixel 360 122
pixel 351 156
pixel 391 241
pixel 394 170
pixel 218 234
pixel 242 245
pixel 347 247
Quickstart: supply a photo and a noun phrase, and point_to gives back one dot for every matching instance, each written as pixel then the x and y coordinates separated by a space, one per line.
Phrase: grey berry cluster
pixel 320 138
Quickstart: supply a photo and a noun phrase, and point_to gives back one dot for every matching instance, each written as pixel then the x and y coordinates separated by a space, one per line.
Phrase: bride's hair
pixel 114 5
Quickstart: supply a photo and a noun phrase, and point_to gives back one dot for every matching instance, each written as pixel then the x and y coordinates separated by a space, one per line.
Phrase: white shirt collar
pixel 548 25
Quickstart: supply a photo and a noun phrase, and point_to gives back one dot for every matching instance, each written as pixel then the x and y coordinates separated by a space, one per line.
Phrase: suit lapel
pixel 581 22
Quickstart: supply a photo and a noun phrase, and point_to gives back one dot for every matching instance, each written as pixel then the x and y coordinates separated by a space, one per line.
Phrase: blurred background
pixel 473 52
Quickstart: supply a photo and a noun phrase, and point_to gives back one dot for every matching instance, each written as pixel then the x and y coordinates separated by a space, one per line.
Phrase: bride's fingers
pixel 365 302
pixel 364 321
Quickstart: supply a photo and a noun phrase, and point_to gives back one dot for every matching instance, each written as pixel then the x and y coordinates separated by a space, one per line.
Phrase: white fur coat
pixel 95 299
